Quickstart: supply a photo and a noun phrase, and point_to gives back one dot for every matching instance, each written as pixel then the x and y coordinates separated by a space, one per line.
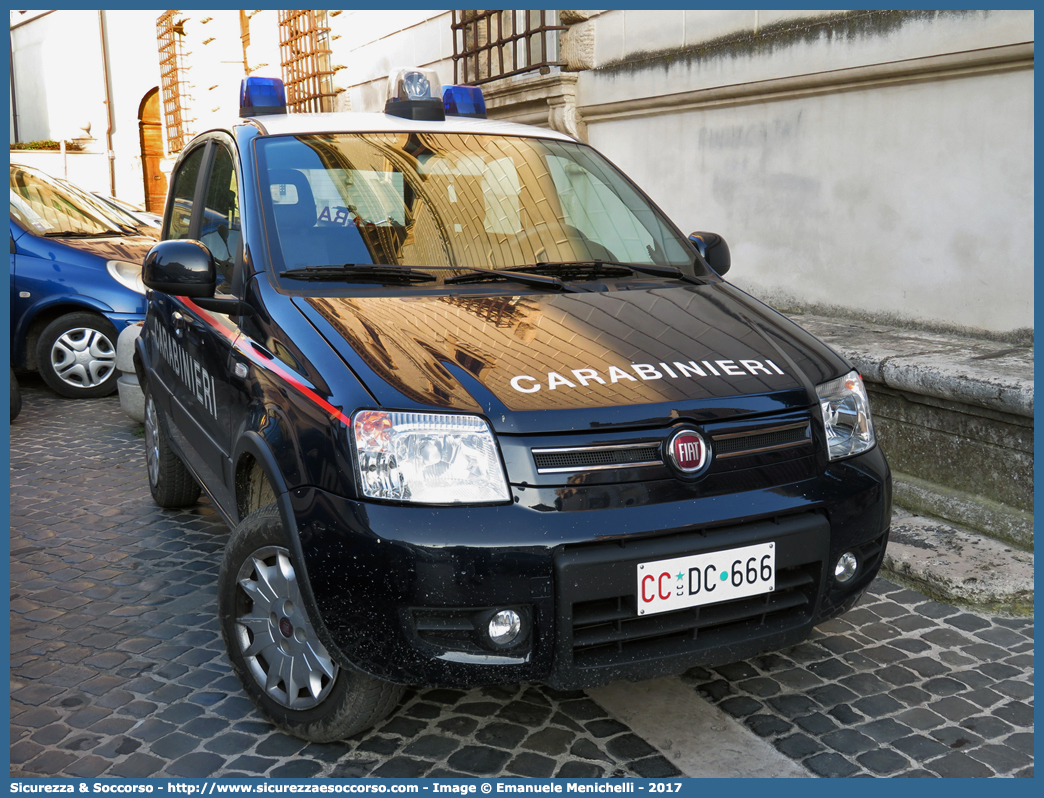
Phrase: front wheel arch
pixel 253 488
pixel 254 463
pixel 27 333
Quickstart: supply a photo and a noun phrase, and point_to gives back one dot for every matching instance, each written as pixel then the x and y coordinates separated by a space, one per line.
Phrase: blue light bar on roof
pixel 260 96
pixel 464 101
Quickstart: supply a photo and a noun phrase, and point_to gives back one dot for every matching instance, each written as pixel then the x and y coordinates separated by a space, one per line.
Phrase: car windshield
pixel 454 201
pixel 46 207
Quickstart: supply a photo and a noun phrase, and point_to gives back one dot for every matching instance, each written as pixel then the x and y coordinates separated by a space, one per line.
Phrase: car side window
pixel 220 228
pixel 184 192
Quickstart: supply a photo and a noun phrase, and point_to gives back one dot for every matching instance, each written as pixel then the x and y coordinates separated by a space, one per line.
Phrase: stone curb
pixel 959 567
pixel 982 373
pixel 996 520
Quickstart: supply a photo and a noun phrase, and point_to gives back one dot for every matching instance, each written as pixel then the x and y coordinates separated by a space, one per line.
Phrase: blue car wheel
pixel 76 355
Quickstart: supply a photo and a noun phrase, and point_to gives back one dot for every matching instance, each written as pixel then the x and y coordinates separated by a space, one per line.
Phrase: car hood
pixel 132 249
pixel 625 357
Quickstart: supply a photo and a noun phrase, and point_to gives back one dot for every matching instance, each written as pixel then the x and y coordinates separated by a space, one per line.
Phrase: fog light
pixel 504 627
pixel 846 567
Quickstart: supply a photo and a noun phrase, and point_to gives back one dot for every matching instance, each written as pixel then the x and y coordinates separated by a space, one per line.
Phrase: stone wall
pixel 954 416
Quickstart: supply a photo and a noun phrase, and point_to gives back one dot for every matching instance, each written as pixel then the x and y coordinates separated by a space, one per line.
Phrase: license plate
pixel 699 579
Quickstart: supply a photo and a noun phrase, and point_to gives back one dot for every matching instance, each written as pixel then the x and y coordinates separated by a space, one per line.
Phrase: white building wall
pixel 263 52
pixel 899 198
pixel 214 56
pixel 893 220
pixel 134 72
pixel 371 44
pixel 55 100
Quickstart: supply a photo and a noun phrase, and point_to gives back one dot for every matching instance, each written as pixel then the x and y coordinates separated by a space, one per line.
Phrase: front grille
pixel 738 443
pixel 610 630
pixel 596 593
pixel 766 438
pixel 591 458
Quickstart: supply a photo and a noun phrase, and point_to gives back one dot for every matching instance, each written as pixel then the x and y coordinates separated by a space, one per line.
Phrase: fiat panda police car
pixel 479 413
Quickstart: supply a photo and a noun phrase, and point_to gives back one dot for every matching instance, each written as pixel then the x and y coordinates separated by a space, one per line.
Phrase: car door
pixel 194 345
pixel 164 333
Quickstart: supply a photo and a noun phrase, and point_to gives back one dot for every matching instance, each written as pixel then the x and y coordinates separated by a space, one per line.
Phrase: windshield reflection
pixel 46 207
pixel 454 201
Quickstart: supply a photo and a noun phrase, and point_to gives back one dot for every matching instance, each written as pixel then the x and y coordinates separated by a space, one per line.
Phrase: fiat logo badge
pixel 688 451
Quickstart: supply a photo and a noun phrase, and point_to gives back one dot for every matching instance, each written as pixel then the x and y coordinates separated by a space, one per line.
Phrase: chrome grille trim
pixel 767 439
pixel 605 457
pixel 596 458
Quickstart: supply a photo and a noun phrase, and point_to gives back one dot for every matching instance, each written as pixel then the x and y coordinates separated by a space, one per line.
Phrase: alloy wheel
pixel 281 649
pixel 152 442
pixel 83 357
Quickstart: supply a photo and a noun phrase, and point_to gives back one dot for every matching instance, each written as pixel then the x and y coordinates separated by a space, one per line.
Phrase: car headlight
pixel 846 416
pixel 427 458
pixel 126 274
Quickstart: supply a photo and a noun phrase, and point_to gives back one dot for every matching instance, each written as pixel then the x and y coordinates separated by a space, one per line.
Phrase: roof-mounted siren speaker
pixel 261 96
pixel 464 101
pixel 415 93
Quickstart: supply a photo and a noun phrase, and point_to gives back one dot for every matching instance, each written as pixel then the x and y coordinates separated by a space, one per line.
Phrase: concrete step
pixel 959 566
pixel 992 375
pixel 954 416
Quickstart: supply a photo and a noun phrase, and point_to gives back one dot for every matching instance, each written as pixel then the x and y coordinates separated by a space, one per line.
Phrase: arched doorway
pixel 151 135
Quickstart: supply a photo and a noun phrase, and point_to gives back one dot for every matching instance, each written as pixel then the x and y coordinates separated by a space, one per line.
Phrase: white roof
pixel 359 122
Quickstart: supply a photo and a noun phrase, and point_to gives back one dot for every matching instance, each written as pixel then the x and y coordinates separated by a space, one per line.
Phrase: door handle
pixel 177 322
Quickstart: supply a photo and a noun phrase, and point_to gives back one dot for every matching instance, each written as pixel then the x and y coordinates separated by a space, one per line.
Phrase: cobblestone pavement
pixel 899 686
pixel 118 669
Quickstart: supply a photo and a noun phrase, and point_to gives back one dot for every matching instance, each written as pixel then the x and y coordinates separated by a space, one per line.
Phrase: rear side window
pixel 184 192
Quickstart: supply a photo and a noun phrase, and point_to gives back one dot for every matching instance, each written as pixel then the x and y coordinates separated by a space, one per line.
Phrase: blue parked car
pixel 75 284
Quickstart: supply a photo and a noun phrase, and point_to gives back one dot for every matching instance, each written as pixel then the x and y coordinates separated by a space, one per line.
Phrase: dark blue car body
pixel 62 275
pixel 463 440
pixel 75 282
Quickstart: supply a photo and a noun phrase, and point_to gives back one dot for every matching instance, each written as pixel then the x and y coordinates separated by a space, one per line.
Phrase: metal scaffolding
pixel 304 51
pixel 169 33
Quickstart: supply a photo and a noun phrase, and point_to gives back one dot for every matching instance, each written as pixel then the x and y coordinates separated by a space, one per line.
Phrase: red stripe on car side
pixel 248 351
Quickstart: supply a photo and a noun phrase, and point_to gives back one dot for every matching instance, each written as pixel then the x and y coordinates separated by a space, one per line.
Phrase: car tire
pixel 16 397
pixel 171 483
pixel 271 641
pixel 76 355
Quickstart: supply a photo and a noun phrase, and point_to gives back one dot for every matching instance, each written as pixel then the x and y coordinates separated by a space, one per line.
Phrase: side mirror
pixel 181 268
pixel 714 250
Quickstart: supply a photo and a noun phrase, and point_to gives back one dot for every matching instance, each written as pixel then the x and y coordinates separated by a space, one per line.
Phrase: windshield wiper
pixel 82 234
pixel 587 269
pixel 519 276
pixel 351 272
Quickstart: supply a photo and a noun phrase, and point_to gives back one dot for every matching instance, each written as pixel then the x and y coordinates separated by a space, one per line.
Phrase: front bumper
pixel 403 592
